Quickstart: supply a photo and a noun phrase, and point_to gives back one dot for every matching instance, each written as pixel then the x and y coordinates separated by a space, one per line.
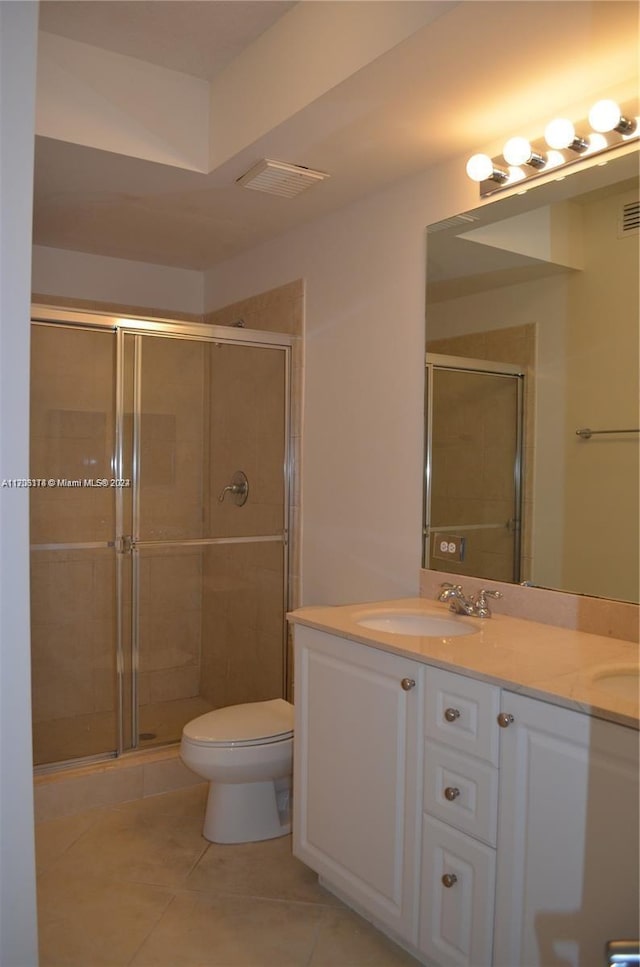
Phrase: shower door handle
pixel 239 487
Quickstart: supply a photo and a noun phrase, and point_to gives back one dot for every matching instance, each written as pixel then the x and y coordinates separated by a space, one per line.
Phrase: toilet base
pixel 248 812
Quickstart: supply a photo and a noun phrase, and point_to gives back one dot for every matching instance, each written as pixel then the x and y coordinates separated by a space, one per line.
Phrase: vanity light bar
pixel 608 126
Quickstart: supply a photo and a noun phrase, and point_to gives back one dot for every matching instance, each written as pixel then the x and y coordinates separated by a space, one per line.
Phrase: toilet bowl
pixel 246 753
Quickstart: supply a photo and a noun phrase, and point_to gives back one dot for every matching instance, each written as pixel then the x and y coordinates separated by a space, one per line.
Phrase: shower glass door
pixel 158 582
pixel 74 626
pixel 208 560
pixel 474 468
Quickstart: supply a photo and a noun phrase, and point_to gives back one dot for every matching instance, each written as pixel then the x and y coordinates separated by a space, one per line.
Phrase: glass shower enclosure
pixel 159 583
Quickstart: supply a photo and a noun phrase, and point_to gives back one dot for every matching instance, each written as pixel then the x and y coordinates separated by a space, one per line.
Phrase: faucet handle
pixel 482 609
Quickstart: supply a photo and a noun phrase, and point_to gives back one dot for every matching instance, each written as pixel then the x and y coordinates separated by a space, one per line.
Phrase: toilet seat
pixel 256 723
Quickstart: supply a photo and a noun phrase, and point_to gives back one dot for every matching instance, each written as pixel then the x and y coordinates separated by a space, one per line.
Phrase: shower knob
pixel 239 487
pixel 408 684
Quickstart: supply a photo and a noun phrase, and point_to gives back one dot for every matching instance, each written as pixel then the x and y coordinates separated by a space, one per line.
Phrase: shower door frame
pixel 139 326
pixel 482 367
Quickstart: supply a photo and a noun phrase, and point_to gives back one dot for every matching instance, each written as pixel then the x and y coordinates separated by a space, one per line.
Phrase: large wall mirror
pixel 532 386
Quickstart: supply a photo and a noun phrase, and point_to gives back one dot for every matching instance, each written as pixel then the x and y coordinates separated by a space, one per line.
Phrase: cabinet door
pixel 355 774
pixel 567 874
pixel 458 879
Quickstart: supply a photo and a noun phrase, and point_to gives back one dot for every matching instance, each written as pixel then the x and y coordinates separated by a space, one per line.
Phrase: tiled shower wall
pixel 183 597
pixel 173 429
pixel 280 310
pixel 242 600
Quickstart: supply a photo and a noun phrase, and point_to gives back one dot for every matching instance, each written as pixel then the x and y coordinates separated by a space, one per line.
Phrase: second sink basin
pixel 412 623
pixel 623 680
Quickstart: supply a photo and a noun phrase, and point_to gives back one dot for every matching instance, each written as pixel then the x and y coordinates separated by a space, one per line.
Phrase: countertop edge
pixel 392 643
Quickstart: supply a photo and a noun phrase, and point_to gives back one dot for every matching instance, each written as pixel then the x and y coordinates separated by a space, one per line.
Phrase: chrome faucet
pixel 459 603
pixel 475 605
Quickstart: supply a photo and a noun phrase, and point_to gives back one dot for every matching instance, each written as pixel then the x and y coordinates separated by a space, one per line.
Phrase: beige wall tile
pixel 278 310
pixel 173 683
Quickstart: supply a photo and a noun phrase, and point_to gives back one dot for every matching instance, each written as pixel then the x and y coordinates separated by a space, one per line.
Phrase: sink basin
pixel 622 680
pixel 412 623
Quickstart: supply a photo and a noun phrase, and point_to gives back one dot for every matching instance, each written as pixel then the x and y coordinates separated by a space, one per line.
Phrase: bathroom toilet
pixel 246 753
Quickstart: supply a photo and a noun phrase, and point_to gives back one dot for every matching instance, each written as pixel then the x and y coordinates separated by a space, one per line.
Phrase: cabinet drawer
pixel 456 921
pixel 461 713
pixel 461 791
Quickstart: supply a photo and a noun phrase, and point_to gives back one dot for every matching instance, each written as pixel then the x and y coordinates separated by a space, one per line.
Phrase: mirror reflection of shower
pixel 474 467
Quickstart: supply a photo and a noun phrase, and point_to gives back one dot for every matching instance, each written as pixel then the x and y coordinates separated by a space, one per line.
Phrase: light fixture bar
pixel 608 126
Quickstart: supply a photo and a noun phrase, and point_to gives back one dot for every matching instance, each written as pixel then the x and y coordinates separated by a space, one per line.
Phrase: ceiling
pixel 198 38
pixel 456 82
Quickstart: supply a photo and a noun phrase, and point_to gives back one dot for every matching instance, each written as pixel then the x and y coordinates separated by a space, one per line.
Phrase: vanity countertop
pixel 558 665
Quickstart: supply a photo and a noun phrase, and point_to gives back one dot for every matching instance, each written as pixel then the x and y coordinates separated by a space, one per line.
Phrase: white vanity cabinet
pixel 480 827
pixel 567 857
pixel 356 776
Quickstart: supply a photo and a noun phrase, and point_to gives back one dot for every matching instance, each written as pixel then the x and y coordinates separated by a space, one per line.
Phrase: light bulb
pixel 604 116
pixel 559 133
pixel 479 167
pixel 597 142
pixel 554 158
pixel 517 151
pixel 515 174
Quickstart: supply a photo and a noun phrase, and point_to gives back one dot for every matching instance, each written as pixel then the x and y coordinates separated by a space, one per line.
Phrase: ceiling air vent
pixel 280 178
pixel 629 219
pixel 455 222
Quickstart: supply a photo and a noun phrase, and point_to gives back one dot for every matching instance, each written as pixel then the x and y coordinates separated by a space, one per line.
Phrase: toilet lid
pixel 250 724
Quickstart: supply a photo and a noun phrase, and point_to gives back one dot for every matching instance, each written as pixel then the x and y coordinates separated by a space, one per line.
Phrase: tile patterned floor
pixel 137 884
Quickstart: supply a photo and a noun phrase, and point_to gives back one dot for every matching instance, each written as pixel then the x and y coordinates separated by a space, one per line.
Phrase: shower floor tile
pixel 136 884
pixel 165 720
pixel 57 740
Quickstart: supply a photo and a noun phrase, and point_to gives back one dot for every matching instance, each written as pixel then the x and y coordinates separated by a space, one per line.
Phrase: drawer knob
pixel 505 719
pixel 451 714
pixel 408 684
pixel 449 879
pixel 451 793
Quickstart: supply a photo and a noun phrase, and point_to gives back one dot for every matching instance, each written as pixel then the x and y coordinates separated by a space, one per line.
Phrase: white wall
pixel 58 272
pixel 18 938
pixel 364 375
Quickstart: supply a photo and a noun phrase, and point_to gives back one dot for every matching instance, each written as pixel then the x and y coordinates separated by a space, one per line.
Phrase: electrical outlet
pixel 448 547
